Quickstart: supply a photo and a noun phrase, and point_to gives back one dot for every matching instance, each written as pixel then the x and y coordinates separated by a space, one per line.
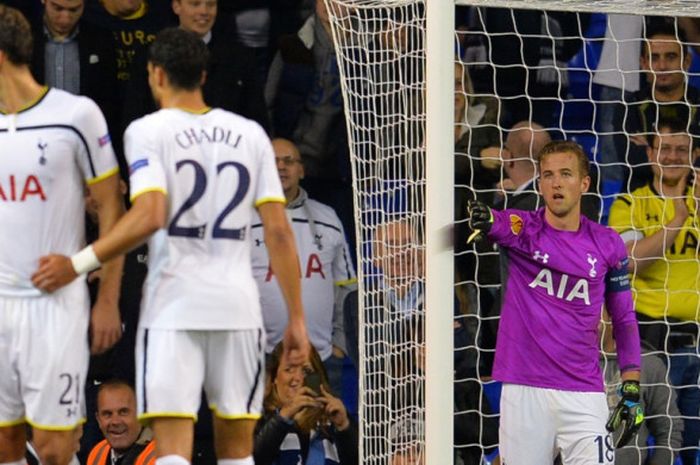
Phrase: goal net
pixel 520 73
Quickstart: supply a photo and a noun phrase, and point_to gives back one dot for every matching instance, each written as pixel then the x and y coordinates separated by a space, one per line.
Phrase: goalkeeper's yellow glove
pixel 628 413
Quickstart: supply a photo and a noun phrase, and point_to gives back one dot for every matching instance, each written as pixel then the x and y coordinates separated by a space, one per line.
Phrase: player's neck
pixel 189 100
pixel 666 189
pixel 18 89
pixel 292 194
pixel 568 222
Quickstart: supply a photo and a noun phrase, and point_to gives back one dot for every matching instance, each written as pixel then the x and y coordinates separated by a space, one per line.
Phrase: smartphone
pixel 313 381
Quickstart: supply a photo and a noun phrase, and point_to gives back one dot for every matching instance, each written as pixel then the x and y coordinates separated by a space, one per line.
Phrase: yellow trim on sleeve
pixel 346 282
pixel 103 176
pixel 56 428
pixel 238 416
pixel 148 189
pixel 19 421
pixel 270 199
pixel 145 417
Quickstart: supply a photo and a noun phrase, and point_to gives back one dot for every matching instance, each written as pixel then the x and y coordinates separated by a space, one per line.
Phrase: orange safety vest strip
pixel 148 455
pixel 98 454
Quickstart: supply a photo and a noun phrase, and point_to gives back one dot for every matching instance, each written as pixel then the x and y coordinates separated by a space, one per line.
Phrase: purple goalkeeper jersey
pixel 557 282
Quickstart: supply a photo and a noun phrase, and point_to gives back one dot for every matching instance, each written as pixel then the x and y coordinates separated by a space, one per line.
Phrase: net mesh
pixel 521 77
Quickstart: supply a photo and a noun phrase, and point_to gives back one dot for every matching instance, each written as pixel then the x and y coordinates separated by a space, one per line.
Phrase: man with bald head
pixel 525 140
pixel 327 272
pixel 126 441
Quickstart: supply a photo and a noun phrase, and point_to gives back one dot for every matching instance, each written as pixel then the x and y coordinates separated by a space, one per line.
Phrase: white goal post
pixel 397 66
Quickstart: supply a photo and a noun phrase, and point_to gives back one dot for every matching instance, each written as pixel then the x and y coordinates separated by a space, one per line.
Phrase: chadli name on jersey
pixel 213 135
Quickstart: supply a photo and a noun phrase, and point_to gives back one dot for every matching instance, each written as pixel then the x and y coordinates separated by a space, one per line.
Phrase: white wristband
pixel 85 261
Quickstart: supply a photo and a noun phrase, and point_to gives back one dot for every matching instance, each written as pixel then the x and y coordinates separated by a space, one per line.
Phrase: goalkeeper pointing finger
pixel 562 269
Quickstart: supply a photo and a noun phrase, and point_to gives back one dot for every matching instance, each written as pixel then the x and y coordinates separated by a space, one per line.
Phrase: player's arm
pixel 284 261
pixel 105 321
pixel 628 413
pixel 147 214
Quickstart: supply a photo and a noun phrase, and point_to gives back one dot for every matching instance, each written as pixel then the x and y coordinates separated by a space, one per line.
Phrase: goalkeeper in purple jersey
pixel 562 269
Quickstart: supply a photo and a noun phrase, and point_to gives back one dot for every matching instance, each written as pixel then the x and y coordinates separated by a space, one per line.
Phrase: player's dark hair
pixel 566 146
pixel 670 125
pixel 182 55
pixel 15 36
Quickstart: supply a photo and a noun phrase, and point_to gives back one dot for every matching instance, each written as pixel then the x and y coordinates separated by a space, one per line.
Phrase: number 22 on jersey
pixel 178 226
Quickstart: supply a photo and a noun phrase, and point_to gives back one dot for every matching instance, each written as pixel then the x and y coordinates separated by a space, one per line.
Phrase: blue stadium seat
pixel 488 459
pixel 587 140
pixel 694 70
pixel 578 114
pixel 578 109
pixel 492 391
pixel 597 26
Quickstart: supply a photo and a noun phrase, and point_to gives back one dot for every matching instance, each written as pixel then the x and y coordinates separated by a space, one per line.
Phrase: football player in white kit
pixel 52 144
pixel 197 175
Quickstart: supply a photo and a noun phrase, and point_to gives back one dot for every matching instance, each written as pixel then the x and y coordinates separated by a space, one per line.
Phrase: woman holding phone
pixel 303 422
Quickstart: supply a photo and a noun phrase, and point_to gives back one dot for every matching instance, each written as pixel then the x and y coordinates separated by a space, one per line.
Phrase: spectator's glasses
pixel 287 161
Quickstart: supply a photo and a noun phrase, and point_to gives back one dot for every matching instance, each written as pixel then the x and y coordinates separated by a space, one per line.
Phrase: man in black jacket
pixel 231 80
pixel 73 55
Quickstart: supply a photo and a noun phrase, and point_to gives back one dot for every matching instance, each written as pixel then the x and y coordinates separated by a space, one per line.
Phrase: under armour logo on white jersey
pixel 42 146
pixel 258 242
pixel 540 257
pixel 592 261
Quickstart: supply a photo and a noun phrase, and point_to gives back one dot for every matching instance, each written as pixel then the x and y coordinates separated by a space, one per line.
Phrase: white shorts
pixel 44 358
pixel 172 367
pixel 537 424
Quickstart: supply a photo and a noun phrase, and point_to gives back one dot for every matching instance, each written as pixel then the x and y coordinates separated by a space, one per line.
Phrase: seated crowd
pixel 271 64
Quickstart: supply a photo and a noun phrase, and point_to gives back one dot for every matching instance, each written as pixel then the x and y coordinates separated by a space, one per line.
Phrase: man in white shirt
pixel 326 267
pixel 197 175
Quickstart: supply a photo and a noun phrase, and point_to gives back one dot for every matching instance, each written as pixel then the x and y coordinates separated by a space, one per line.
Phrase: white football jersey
pixel 215 168
pixel 48 152
pixel 324 260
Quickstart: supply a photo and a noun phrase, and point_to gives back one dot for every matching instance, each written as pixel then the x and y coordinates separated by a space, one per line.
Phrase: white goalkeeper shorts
pixel 173 366
pixel 538 424
pixel 44 359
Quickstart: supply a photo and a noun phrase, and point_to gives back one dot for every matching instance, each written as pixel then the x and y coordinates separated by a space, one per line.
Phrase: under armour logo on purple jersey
pixel 540 257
